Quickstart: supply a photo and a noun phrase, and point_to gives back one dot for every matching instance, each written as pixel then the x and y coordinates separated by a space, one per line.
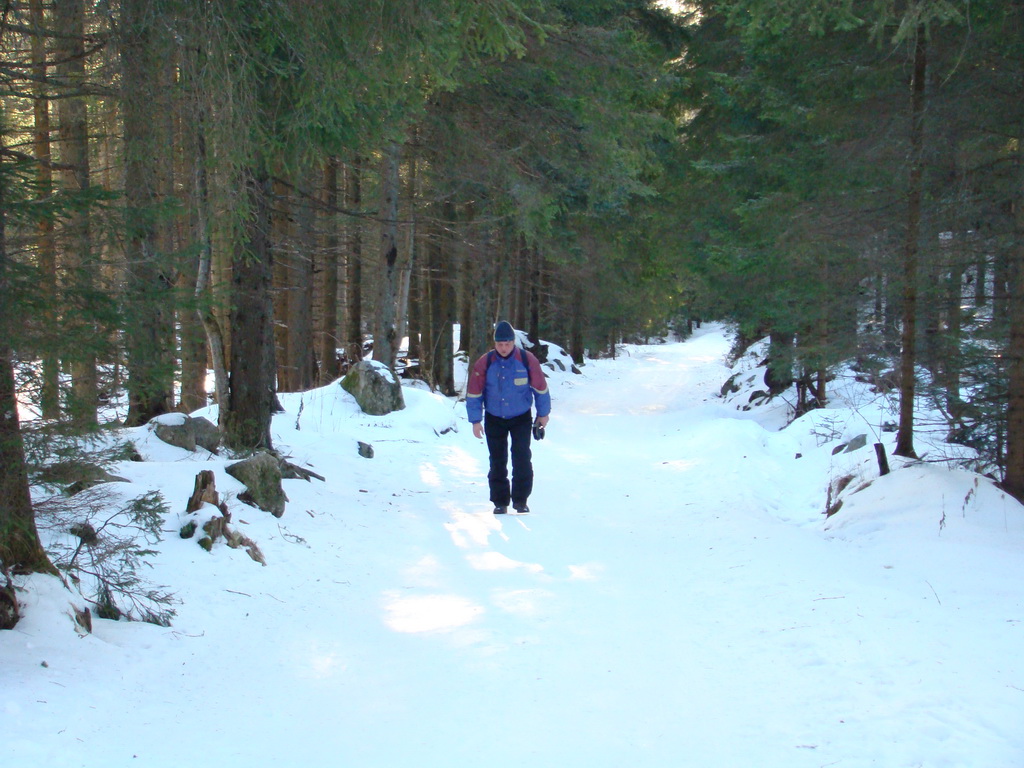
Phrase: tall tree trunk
pixel 908 338
pixel 407 263
pixel 522 290
pixel 384 341
pixel 442 302
pixel 301 363
pixel 192 335
pixel 194 357
pixel 45 245
pixel 952 358
pixel 468 328
pixel 1013 479
pixel 148 334
pixel 250 401
pixel 481 273
pixel 20 548
pixel 327 342
pixel 416 308
pixel 354 266
pixel 201 220
pixel 69 26
pixel 282 243
pixel 533 313
pixel 576 324
pixel 473 259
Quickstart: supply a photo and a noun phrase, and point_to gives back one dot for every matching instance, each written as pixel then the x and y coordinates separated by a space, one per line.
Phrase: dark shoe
pixel 500 510
pixel 521 509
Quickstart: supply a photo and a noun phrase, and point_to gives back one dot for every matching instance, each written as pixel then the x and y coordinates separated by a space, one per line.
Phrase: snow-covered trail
pixel 657 610
pixel 672 601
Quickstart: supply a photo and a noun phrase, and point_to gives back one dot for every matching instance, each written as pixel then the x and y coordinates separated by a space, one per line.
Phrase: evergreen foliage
pixel 102 543
pixel 202 186
pixel 802 163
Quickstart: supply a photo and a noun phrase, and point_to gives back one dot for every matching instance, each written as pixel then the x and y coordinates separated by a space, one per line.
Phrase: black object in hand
pixel 538 431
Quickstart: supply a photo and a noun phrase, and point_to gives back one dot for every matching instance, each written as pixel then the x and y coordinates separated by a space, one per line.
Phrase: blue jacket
pixel 506 386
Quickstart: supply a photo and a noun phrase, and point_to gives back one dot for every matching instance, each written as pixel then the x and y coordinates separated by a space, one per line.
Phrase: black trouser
pixel 498 431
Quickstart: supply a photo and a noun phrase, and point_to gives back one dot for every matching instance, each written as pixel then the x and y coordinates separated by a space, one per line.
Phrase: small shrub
pixel 102 542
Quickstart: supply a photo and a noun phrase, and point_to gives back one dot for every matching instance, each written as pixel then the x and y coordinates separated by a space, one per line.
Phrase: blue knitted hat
pixel 503 332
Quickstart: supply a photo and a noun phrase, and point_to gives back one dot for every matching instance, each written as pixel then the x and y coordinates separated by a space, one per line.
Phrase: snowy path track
pixel 672 601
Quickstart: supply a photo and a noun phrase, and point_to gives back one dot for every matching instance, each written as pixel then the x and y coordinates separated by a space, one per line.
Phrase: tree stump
pixel 205 492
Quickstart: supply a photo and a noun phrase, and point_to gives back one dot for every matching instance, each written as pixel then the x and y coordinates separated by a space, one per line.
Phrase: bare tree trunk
pixel 407 263
pixel 908 339
pixel 384 341
pixel 250 402
pixel 1013 478
pixel 328 338
pixel 576 345
pixel 148 286
pixel 201 219
pixel 416 307
pixel 191 332
pixel 46 247
pixel 282 244
pixel 301 363
pixel 192 335
pixel 481 278
pixel 522 290
pixel 69 24
pixel 473 257
pixel 442 302
pixel 533 282
pixel 354 267
pixel 951 359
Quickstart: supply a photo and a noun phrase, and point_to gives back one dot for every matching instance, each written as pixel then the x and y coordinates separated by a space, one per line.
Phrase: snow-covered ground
pixel 677 598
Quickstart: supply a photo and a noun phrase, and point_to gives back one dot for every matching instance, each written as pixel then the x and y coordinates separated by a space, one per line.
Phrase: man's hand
pixel 478 429
pixel 543 420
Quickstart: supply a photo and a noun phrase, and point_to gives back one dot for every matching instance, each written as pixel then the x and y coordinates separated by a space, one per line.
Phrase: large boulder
pixel 183 431
pixel 207 433
pixel 175 429
pixel 261 475
pixel 375 388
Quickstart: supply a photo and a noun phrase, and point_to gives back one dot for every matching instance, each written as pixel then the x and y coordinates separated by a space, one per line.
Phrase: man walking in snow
pixel 504 384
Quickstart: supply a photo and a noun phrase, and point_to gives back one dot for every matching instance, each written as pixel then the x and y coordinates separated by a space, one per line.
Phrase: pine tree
pixel 78 257
pixel 149 335
pixel 20 548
